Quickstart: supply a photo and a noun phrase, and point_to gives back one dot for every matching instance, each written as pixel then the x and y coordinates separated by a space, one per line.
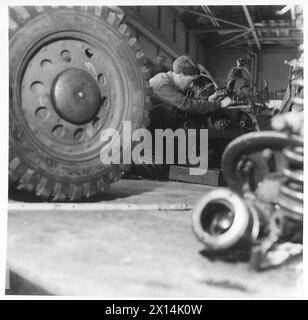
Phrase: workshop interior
pixel 81 227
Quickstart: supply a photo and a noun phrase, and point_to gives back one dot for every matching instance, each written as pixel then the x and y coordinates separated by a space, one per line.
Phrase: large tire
pixel 54 151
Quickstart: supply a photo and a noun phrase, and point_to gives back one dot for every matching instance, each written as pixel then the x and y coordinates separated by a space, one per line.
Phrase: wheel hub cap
pixel 76 96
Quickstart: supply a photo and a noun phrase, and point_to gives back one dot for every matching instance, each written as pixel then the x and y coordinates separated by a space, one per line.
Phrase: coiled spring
pixel 291 199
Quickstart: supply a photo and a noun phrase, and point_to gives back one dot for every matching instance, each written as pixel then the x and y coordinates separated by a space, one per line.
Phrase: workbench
pixel 134 241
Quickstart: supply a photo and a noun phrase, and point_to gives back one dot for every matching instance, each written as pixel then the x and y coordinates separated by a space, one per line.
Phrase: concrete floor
pixel 130 253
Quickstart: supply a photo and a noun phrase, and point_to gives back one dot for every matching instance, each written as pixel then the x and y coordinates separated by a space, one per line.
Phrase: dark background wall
pixel 273 69
pixel 170 28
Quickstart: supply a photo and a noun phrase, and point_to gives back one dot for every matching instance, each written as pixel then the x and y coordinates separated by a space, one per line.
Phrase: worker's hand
pixel 226 102
pixel 216 95
pixel 213 96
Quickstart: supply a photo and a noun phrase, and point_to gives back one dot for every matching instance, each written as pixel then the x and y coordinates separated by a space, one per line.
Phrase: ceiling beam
pixel 218 19
pixel 229 40
pixel 286 9
pixel 220 31
pixel 281 39
pixel 230 30
pixel 251 25
pixel 208 11
pixel 276 41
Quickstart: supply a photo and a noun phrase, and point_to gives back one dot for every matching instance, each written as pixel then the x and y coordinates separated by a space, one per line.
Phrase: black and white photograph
pixel 155 151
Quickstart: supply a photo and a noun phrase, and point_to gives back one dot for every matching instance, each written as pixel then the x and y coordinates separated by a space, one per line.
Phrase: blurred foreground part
pixel 260 218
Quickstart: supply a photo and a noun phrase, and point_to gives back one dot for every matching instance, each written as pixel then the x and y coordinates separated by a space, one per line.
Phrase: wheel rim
pixel 68 88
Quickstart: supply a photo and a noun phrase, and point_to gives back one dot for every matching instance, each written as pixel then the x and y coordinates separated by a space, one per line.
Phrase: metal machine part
pixel 265 172
pixel 249 158
pixel 265 203
pixel 239 82
pixel 293 99
pixel 291 191
pixel 242 117
pixel 221 220
pixel 291 197
pixel 67 65
pixel 223 125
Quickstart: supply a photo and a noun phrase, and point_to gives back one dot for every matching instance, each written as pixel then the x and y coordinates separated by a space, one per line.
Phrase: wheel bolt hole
pixel 95 123
pixel 46 65
pixel 89 53
pixel 101 79
pixel 37 87
pixel 78 135
pixel 104 102
pixel 58 131
pixel 66 56
pixel 42 113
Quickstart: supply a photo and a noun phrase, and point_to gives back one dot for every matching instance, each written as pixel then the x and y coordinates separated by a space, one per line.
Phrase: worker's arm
pixel 172 96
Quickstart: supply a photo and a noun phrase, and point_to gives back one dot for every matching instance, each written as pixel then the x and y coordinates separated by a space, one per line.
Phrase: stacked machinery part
pixel 250 158
pixel 293 99
pixel 264 205
pixel 74 71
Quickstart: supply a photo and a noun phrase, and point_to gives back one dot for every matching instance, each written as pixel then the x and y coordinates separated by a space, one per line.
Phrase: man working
pixel 169 93
pixel 169 101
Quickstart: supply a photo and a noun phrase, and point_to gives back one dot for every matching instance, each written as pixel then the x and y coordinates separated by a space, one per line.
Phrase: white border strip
pixel 4 67
pixel 97 207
